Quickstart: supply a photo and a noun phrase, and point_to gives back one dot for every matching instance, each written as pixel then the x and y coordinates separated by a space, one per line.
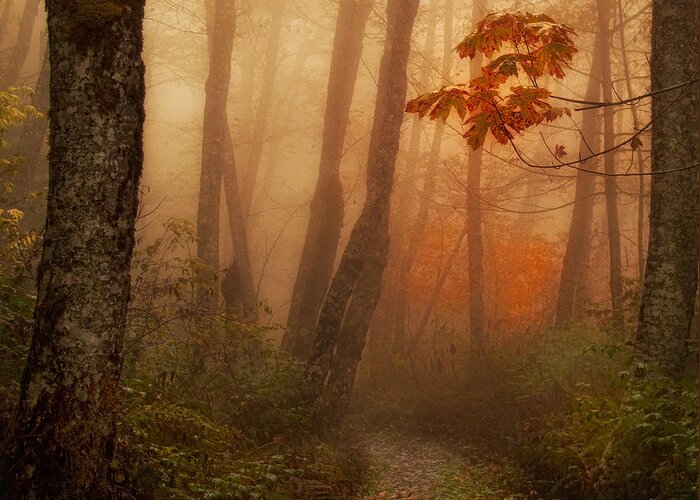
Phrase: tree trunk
pixel 31 150
pixel 638 153
pixel 578 246
pixel 70 387
pixel 670 281
pixel 475 237
pixel 369 228
pixel 4 18
pixel 264 105
pixel 11 73
pixel 614 246
pixel 326 220
pixel 214 140
pixel 237 286
pixel 334 400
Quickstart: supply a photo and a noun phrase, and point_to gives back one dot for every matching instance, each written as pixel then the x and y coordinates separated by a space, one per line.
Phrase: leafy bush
pixel 638 440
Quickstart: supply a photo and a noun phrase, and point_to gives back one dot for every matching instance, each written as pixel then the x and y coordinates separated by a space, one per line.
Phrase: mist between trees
pixel 349 249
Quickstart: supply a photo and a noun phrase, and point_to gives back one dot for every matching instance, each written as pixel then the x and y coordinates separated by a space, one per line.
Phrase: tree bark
pixel 614 246
pixel 670 281
pixel 334 400
pixel 65 434
pixel 578 246
pixel 214 140
pixel 381 162
pixel 326 220
pixel 11 73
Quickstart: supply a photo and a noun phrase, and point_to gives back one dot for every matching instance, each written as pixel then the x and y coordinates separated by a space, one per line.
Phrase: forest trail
pixel 415 467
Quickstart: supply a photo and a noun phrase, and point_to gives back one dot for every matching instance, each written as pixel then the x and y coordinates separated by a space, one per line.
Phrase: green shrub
pixel 639 440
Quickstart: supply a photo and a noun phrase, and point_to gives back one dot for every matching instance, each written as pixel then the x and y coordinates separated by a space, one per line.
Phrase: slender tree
pixel 326 218
pixel 578 246
pixel 262 117
pixel 65 432
pixel 407 245
pixel 31 150
pixel 12 69
pixel 605 9
pixel 364 258
pixel 670 281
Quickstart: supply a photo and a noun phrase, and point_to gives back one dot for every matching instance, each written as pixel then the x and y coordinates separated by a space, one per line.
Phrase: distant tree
pixel 342 325
pixel 218 165
pixel 326 218
pixel 574 272
pixel 65 429
pixel 670 281
pixel 20 49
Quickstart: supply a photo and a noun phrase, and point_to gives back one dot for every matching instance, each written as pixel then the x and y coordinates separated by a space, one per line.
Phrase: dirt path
pixel 408 467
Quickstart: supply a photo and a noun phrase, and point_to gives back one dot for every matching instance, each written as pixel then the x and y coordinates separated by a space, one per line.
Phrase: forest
pixel 349 249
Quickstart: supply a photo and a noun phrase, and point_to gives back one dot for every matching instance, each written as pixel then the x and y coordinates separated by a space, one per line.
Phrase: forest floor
pixel 408 466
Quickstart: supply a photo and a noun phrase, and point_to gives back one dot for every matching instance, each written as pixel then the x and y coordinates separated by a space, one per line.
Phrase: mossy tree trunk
pixel 326 218
pixel 670 281
pixel 65 433
pixel 365 247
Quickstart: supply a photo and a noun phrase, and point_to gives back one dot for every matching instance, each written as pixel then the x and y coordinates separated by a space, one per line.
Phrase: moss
pixel 89 16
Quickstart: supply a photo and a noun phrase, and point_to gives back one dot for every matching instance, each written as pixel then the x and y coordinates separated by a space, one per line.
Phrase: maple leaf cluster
pixel 532 44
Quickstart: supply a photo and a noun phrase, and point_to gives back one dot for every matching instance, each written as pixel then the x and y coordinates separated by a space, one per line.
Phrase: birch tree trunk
pixel 670 281
pixel 65 433
pixel 326 220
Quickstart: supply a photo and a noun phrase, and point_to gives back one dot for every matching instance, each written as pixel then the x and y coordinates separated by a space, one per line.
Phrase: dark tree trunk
pixel 70 387
pixel 326 220
pixel 31 150
pixel 670 281
pixel 334 400
pixel 369 231
pixel 214 141
pixel 11 73
pixel 614 246
pixel 264 105
pixel 578 246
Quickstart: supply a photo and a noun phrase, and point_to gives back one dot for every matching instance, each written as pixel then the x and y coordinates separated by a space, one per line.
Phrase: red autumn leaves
pixel 530 46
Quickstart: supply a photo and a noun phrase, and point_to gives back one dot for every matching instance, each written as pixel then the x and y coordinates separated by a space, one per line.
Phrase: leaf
pixel 636 143
pixel 560 151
